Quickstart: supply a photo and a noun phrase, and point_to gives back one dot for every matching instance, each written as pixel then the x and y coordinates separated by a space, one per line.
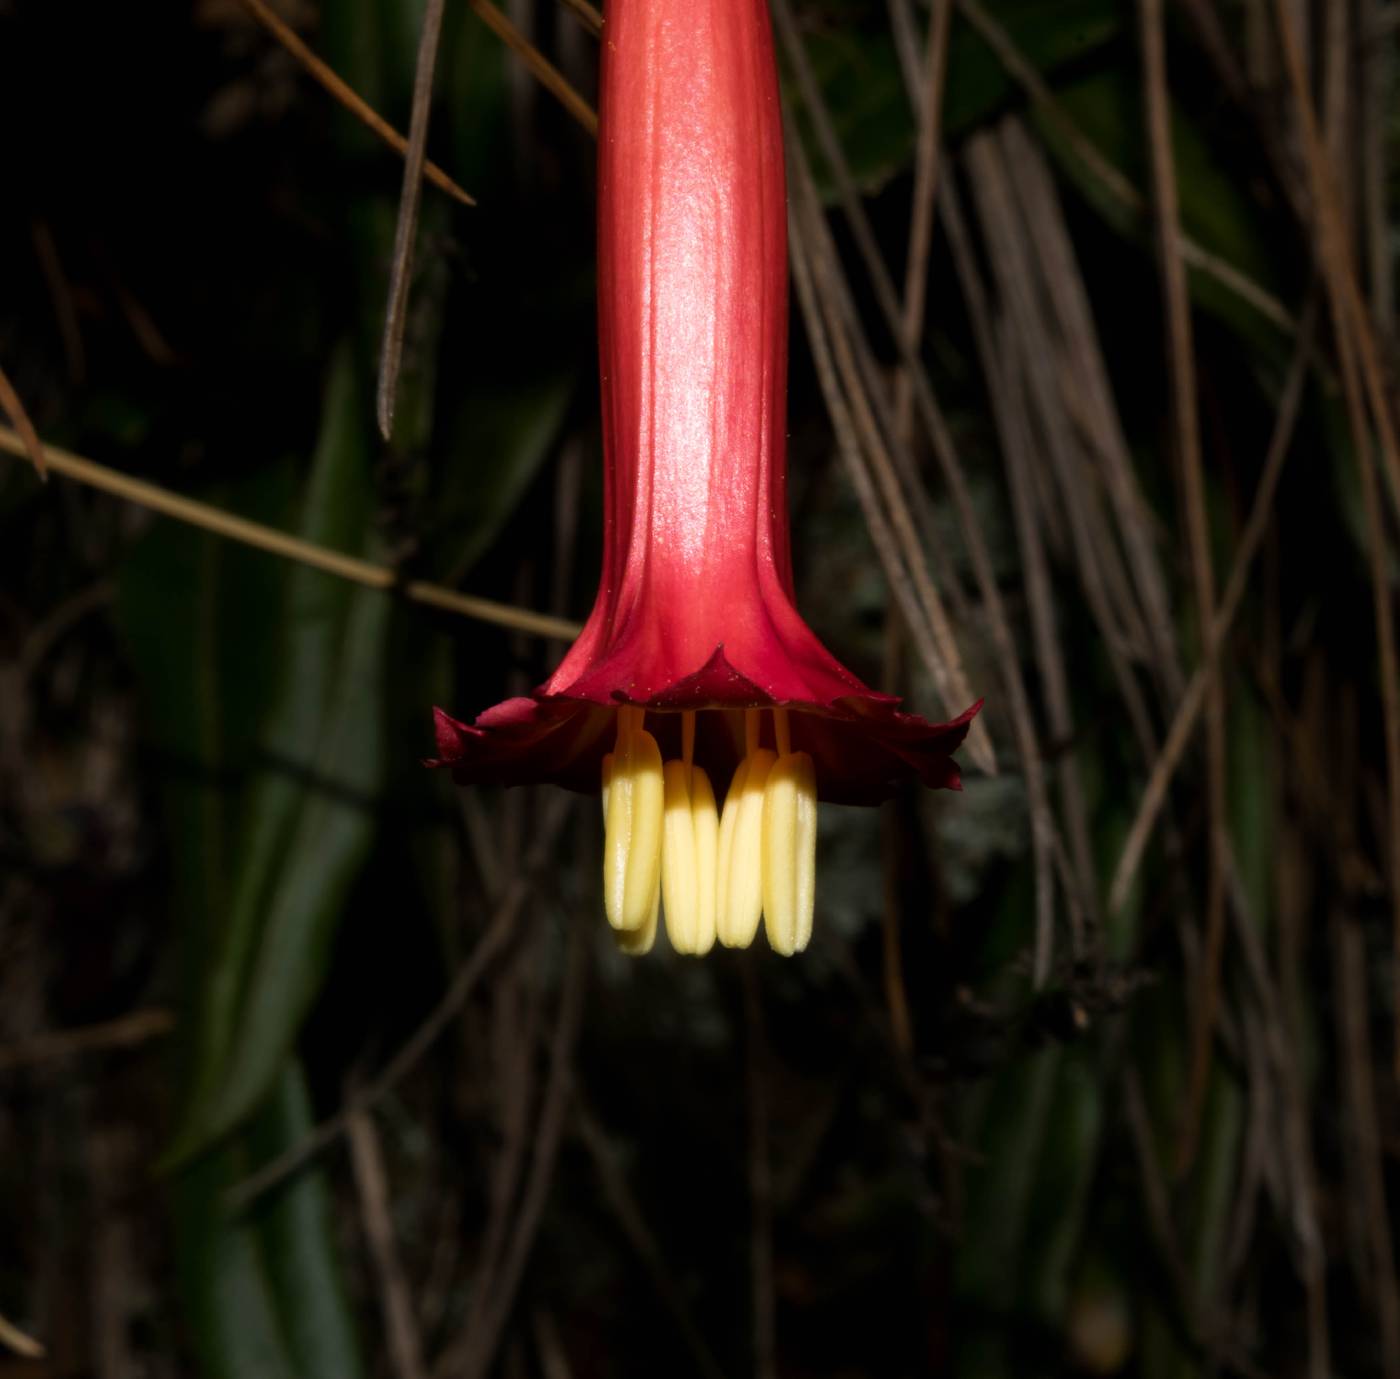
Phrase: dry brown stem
pixel 395 1295
pixel 921 221
pixel 264 538
pixel 19 419
pixel 406 226
pixel 127 1032
pixel 346 95
pixel 544 71
pixel 488 947
pixel 1186 441
pixel 592 20
pixel 15 1339
pixel 1184 722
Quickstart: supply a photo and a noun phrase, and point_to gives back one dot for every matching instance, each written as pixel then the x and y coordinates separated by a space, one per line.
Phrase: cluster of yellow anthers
pixel 718 874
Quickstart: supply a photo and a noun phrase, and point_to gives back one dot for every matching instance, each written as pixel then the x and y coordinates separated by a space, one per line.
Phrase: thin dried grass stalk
pixel 1186 442
pixel 406 227
pixel 204 515
pixel 339 90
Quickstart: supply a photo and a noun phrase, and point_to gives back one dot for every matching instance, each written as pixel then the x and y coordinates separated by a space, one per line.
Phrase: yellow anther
pixel 719 874
pixel 689 857
pixel 633 795
pixel 637 943
pixel 740 874
pixel 789 852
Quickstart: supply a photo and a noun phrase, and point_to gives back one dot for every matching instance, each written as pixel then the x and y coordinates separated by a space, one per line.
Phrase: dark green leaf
pixel 507 433
pixel 307 818
pixel 860 79
pixel 263 1294
pixel 1217 212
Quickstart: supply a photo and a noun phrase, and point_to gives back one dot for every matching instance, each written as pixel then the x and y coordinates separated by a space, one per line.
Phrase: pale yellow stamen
pixel 789 851
pixel 689 858
pixel 740 882
pixel 634 793
pixel 689 849
pixel 633 942
pixel 719 875
pixel 637 943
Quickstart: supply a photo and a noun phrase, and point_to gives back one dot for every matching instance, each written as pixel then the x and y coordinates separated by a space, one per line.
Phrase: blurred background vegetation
pixel 1090 1070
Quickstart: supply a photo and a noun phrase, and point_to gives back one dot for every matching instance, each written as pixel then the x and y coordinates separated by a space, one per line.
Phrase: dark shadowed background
pixel 1089 1070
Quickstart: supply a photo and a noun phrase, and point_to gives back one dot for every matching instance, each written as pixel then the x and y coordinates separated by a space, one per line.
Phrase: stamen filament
pixel 753 723
pixel 781 735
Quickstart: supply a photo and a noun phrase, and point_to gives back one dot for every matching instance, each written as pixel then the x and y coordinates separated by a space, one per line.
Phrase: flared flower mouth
pixel 862 746
pixel 694 666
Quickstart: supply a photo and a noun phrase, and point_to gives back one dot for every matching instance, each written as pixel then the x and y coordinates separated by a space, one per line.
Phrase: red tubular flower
pixel 695 610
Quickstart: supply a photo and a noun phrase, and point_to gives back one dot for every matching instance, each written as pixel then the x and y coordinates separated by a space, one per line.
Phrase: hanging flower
pixel 694 666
